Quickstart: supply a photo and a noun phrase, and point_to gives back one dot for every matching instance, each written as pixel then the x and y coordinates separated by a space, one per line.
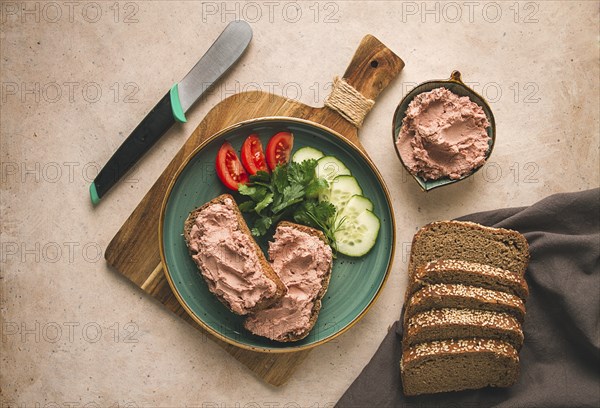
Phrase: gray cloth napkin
pixel 560 360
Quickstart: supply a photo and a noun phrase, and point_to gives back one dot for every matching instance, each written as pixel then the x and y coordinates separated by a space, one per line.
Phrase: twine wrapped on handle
pixel 348 102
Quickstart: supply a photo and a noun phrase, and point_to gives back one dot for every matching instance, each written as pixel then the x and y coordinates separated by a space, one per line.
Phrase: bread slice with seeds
pixel 442 295
pixel 453 271
pixel 467 241
pixel 229 259
pixel 456 365
pixel 449 323
pixel 303 260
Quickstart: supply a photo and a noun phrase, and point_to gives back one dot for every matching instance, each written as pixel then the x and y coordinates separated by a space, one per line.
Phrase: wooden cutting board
pixel 134 250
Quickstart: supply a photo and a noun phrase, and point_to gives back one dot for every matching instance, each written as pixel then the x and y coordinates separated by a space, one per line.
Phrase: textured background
pixel 76 77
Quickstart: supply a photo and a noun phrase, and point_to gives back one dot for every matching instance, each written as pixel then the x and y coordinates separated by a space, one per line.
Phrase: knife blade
pixel 222 54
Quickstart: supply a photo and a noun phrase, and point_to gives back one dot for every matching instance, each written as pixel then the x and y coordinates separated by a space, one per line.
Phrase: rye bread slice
pixel 448 323
pixel 468 241
pixel 452 271
pixel 456 365
pixel 295 335
pixel 440 296
pixel 265 266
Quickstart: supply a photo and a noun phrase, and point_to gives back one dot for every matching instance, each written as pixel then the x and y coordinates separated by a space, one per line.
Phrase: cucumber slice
pixel 329 167
pixel 341 189
pixel 307 153
pixel 354 207
pixel 356 236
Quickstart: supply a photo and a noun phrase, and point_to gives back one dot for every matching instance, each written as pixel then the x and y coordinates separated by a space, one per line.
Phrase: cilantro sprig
pixel 290 192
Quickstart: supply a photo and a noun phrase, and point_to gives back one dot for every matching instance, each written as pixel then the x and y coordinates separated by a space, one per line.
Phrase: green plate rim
pixel 171 282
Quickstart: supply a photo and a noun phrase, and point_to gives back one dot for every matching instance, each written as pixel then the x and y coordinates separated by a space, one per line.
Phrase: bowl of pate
pixel 443 132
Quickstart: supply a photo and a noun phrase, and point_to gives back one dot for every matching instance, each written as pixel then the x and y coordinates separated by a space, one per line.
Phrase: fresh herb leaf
pixel 318 214
pixel 322 210
pixel 256 193
pixel 261 226
pixel 291 192
pixel 245 189
pixel 247 206
pixel 279 178
pixel 302 217
pixel 261 176
pixel 261 205
pixel 315 187
pixel 302 173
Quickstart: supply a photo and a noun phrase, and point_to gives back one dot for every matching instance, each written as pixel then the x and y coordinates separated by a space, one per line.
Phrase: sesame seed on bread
pixel 450 323
pixel 439 296
pixel 452 271
pixel 455 365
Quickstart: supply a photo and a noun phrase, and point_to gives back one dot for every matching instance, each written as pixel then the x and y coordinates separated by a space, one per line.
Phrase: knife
pixel 224 52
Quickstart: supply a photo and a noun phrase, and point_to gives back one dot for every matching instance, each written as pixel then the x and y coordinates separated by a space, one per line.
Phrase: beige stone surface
pixel 77 76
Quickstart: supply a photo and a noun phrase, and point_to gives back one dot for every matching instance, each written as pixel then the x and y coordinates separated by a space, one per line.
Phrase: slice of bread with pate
pixel 301 257
pixel 230 261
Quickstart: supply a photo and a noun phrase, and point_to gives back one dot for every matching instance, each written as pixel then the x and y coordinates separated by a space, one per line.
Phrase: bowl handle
pixel 455 76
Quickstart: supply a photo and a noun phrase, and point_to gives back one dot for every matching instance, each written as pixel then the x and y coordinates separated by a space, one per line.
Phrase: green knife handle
pixel 154 125
pixel 178 112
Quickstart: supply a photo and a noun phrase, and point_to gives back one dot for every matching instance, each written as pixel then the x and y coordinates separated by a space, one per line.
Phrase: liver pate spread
pixel 443 135
pixel 302 261
pixel 227 259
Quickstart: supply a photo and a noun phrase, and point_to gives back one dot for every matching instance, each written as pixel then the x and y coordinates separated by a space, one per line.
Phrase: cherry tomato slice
pixel 279 149
pixel 253 157
pixel 229 169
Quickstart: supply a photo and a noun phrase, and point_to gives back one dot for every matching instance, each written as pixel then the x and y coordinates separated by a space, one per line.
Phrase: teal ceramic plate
pixel 456 85
pixel 355 283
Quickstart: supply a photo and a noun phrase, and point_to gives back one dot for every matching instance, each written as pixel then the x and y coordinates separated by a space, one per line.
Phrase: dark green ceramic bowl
pixel 355 283
pixel 456 85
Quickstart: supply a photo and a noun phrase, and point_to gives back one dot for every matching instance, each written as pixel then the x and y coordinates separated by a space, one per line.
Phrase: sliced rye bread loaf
pixel 456 365
pixel 453 271
pixel 440 296
pixel 464 304
pixel 293 316
pixel 270 289
pixel 467 241
pixel 448 323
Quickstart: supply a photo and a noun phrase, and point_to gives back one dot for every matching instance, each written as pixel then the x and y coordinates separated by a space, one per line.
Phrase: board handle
pixel 372 68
